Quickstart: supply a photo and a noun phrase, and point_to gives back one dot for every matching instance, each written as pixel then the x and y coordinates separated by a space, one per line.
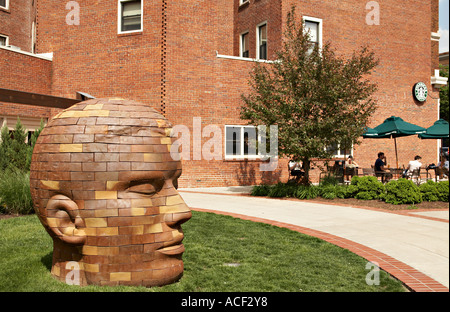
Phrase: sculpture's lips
pixel 172 250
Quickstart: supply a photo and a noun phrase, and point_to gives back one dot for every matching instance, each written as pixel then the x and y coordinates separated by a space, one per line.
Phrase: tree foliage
pixel 15 151
pixel 316 97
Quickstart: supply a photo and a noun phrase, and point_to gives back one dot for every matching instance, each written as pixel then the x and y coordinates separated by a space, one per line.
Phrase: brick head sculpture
pixel 103 184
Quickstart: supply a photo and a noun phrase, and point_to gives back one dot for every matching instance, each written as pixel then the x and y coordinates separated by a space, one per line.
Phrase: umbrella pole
pixel 396 154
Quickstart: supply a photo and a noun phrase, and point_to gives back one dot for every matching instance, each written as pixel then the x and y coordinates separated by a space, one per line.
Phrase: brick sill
pixel 5 10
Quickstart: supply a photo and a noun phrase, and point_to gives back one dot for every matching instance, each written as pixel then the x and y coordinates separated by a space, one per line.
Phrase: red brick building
pixel 192 58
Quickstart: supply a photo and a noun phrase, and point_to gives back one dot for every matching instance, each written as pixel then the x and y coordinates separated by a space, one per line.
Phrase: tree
pixel 317 98
pixel 15 152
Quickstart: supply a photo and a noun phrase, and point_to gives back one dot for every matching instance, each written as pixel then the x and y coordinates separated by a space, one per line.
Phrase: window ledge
pixel 130 33
pixel 240 58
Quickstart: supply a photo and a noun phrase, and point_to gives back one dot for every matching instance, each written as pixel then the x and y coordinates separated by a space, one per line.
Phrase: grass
pixel 223 254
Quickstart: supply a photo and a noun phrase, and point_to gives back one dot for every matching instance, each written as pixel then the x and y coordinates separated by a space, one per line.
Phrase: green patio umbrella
pixel 393 127
pixel 437 131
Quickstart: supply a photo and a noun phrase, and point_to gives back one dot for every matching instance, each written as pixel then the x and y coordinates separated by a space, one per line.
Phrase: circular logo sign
pixel 420 92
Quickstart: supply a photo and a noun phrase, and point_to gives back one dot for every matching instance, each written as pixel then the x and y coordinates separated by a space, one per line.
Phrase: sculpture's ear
pixel 64 220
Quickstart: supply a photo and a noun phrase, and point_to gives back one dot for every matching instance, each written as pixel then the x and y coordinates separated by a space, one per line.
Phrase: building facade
pixel 191 61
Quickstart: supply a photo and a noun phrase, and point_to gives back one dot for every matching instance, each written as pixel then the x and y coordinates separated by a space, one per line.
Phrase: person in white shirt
pixel 413 165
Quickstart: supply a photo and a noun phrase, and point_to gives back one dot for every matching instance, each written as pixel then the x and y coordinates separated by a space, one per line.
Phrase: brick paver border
pixel 413 279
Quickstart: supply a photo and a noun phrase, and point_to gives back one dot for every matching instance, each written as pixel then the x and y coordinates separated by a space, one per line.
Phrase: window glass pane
pixel 313 29
pixel 233 140
pixel 131 15
pixel 3 3
pixel 263 42
pixel 2 40
pixel 250 141
pixel 245 51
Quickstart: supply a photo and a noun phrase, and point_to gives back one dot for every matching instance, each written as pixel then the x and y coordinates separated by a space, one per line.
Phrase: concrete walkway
pixel 413 238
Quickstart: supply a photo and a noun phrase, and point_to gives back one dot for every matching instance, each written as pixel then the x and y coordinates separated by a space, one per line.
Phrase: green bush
pixel 307 192
pixel 282 190
pixel 402 191
pixel 429 191
pixel 260 190
pixel 15 195
pixel 333 191
pixel 365 188
pixel 443 189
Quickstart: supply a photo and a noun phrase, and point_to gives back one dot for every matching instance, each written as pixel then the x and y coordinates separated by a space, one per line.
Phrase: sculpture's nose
pixel 175 209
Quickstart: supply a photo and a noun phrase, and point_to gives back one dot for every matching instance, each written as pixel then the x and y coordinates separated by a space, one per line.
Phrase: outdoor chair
pixel 368 172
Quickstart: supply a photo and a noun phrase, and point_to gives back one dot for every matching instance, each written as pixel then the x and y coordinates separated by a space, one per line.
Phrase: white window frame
pixel 320 22
pixel 242 2
pixel 6 41
pixel 242 156
pixel 241 47
pixel 6 7
pixel 257 38
pixel 338 152
pixel 119 18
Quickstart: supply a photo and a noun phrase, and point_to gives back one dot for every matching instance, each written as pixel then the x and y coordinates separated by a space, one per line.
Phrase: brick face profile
pixel 175 64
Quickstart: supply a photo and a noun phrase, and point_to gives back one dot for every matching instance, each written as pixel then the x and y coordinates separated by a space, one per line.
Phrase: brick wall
pixel 24 72
pixel 16 23
pixel 173 65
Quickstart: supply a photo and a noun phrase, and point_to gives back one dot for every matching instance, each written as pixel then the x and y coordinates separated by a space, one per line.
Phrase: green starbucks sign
pixel 420 92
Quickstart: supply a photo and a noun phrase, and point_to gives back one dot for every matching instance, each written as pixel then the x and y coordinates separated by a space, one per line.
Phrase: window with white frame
pixel 130 16
pixel 4 4
pixel 241 142
pixel 338 151
pixel 4 41
pixel 261 45
pixel 241 2
pixel 244 45
pixel 313 26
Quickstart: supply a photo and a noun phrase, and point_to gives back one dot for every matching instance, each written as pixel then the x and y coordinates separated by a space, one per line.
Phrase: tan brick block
pixel 110 231
pixel 106 195
pixel 142 202
pixel 90 250
pixel 138 211
pixel 71 148
pixel 101 213
pixel 120 276
pixel 166 141
pixel 96 222
pixel 153 158
pixel 94 268
pixel 174 200
pixel 94 107
pixel 52 185
pixel 153 228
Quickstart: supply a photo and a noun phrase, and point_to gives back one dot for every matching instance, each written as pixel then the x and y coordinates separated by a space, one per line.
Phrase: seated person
pixel 350 167
pixel 442 168
pixel 413 165
pixel 380 170
pixel 295 167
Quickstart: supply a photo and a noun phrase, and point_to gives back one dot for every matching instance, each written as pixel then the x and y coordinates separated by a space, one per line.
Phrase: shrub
pixel 333 191
pixel 282 190
pixel 15 195
pixel 429 191
pixel 365 188
pixel 443 190
pixel 260 190
pixel 307 192
pixel 402 191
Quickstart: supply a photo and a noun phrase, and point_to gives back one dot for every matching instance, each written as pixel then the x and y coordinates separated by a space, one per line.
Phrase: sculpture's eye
pixel 146 187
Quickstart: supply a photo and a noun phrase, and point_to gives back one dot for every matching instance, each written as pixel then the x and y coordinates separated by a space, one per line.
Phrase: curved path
pixel 412 246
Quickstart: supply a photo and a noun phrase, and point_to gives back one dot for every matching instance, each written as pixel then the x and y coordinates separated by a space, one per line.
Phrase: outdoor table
pixel 396 172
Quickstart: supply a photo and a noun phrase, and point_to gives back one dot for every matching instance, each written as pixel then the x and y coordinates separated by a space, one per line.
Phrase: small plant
pixel 15 195
pixel 260 190
pixel 402 191
pixel 307 192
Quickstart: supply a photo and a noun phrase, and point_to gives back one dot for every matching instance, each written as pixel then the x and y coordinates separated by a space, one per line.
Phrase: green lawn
pixel 223 254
